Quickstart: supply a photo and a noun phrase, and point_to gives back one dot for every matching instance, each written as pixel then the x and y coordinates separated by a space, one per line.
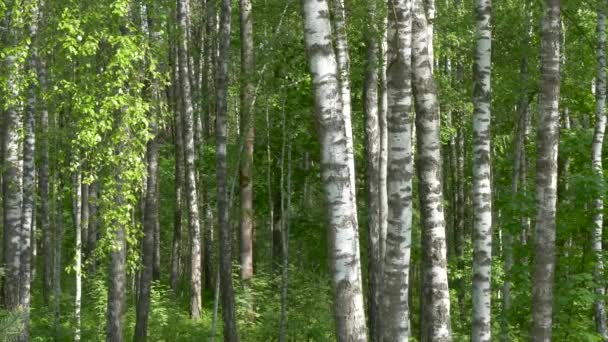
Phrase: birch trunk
pixel 223 206
pixel 546 174
pixel 429 8
pixel 336 161
pixel 179 179
pixel 247 129
pixel 93 225
pixel 77 218
pixel 435 291
pixel 382 159
pixel 57 258
pixel 208 88
pixel 84 216
pixel 598 140
pixel 343 60
pixel 372 151
pixel 12 176
pixel 189 154
pixel 29 192
pixel 150 223
pixel 117 276
pixel 395 313
pixel 482 170
pixel 43 188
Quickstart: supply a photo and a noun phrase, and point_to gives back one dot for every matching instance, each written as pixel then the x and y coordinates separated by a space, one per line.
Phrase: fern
pixel 11 325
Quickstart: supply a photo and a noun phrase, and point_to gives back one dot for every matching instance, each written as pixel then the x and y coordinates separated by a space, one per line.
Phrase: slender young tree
pixel 395 323
pixel 84 217
pixel 482 169
pixel 29 180
pixel 12 176
pixel 247 130
pixel 598 140
pixel 336 174
pixel 179 176
pixel 43 186
pixel 546 174
pixel 76 218
pixel 223 206
pixel 150 220
pixel 343 61
pixel 372 153
pixel 57 257
pixel 117 276
pixel 435 291
pixel 189 153
pixel 93 225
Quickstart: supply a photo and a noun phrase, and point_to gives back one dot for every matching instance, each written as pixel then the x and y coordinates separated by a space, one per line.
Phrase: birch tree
pixel 247 130
pixel 482 169
pixel 336 173
pixel 189 155
pixel 435 292
pixel 12 177
pixel 179 174
pixel 598 140
pixel 372 153
pixel 150 220
pixel 76 217
pixel 343 62
pixel 223 207
pixel 546 174
pixel 395 323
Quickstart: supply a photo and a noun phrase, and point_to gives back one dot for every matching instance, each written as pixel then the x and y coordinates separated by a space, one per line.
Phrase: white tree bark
pixel 336 174
pixel 429 7
pixel 482 183
pixel 343 60
pixel 395 314
pixel 435 292
pixel 546 174
pixel 76 215
pixel 372 152
pixel 12 188
pixel 189 155
pixel 598 140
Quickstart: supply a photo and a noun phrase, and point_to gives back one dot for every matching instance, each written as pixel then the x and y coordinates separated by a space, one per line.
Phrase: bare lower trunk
pixel 29 203
pixel 93 224
pixel 336 168
pixel 43 186
pixel 482 182
pixel 372 151
pixel 227 290
pixel 57 260
pixel 12 190
pixel 84 217
pixel 435 291
pixel 77 218
pixel 177 214
pixel 546 174
pixel 395 312
pixel 117 289
pixel 150 223
pixel 343 62
pixel 247 131
pixel 189 155
pixel 598 140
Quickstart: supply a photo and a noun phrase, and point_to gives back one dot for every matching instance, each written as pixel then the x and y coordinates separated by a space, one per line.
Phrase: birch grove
pixel 311 170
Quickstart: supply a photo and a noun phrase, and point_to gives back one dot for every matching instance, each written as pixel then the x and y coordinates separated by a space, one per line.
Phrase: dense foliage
pixel 105 73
